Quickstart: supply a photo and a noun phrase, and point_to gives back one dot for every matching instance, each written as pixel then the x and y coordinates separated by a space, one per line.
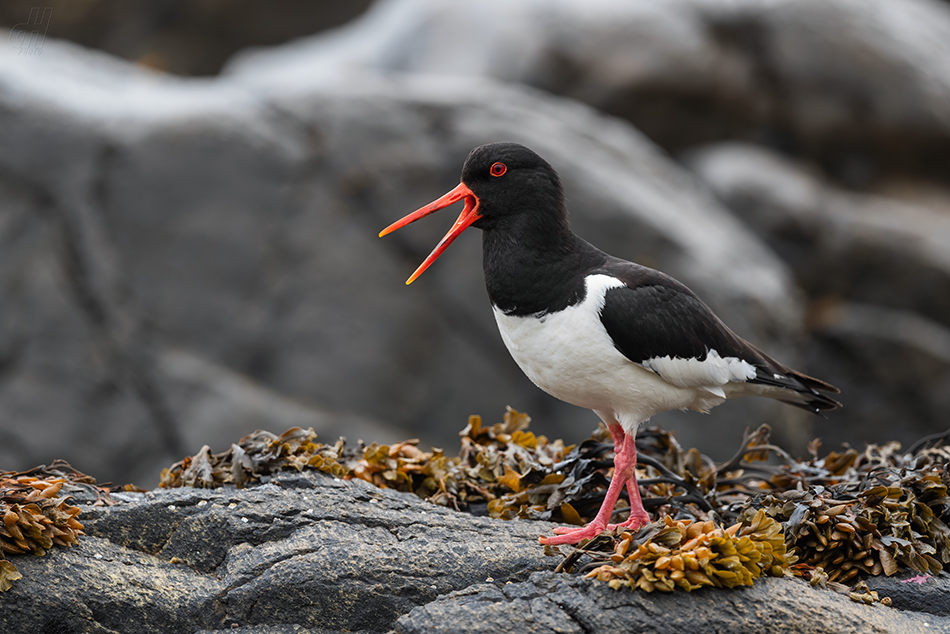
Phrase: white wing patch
pixel 596 286
pixel 710 373
pixel 716 391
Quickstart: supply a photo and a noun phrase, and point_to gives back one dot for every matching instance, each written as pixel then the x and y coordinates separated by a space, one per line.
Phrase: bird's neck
pixel 536 267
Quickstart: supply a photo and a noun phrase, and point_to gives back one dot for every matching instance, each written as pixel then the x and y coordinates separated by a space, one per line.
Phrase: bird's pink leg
pixel 618 434
pixel 625 462
pixel 638 515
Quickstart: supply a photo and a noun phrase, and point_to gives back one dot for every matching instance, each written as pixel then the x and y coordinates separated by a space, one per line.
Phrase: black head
pixel 508 179
pixel 505 187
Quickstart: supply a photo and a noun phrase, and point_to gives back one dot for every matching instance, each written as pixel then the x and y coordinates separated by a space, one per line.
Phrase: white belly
pixel 569 355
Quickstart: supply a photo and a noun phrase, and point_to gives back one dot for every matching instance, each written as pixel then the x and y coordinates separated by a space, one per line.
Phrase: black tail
pixel 808 391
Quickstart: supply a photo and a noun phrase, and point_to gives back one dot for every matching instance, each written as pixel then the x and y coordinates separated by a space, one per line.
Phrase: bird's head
pixel 500 181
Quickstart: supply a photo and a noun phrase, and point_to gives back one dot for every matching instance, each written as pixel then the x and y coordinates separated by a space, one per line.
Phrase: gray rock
pixel 312 554
pixel 913 592
pixel 863 87
pixel 894 366
pixel 172 242
pixel 307 550
pixel 867 248
pixel 215 400
pixel 561 603
pixel 184 40
pixel 878 273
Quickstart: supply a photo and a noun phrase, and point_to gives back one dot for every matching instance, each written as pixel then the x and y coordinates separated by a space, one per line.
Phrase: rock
pixel 305 549
pixel 171 240
pixel 183 39
pixel 215 400
pixel 307 552
pixel 839 243
pixel 893 364
pixel 561 603
pixel 913 592
pixel 878 273
pixel 861 87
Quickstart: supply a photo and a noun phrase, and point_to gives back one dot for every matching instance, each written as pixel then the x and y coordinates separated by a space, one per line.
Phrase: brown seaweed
pixel 843 516
pixel 36 515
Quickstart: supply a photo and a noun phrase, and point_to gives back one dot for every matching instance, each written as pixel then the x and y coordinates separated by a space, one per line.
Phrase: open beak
pixel 466 218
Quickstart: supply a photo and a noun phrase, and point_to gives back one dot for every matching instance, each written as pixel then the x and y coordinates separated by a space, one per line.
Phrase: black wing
pixel 654 316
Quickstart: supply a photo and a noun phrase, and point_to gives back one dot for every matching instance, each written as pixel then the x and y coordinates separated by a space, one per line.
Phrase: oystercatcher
pixel 596 331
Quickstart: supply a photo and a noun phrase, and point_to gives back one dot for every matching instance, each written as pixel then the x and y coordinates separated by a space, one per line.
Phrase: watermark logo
pixel 29 36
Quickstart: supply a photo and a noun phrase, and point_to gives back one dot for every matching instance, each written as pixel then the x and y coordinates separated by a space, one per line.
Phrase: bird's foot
pixel 573 534
pixel 635 522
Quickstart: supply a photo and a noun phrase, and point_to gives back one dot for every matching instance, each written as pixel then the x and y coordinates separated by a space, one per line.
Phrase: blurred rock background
pixel 190 194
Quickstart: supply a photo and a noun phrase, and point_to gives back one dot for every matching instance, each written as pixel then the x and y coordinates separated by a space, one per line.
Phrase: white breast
pixel 569 355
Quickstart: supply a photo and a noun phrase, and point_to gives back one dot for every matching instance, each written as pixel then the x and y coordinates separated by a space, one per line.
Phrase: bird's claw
pixel 633 523
pixel 572 534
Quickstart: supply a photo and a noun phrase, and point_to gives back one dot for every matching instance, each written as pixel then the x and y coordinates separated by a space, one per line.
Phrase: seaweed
pixel 839 517
pixel 257 455
pixel 691 554
pixel 36 515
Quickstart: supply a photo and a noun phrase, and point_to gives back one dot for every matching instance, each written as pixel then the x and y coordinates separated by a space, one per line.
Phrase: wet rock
pixel 306 550
pixel 913 592
pixel 561 603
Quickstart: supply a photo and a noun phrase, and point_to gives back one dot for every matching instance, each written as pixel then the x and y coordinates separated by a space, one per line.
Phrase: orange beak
pixel 466 218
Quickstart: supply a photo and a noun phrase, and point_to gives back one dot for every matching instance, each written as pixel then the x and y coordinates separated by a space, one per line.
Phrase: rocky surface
pixel 180 257
pixel 839 243
pixel 561 603
pixel 310 553
pixel 860 86
pixel 182 38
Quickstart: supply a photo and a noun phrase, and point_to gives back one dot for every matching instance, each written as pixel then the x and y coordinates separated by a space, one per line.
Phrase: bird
pixel 596 331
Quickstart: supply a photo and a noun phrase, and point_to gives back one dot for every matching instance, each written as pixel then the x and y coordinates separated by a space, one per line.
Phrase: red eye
pixel 497 169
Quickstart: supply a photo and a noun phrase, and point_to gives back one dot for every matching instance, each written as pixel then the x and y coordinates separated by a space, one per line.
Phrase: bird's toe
pixel 572 534
pixel 633 524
